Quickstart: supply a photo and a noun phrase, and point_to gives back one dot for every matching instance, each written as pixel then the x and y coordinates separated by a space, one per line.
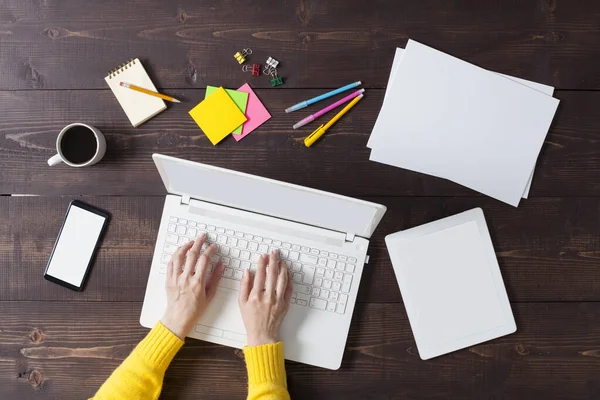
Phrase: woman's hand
pixel 264 300
pixel 189 287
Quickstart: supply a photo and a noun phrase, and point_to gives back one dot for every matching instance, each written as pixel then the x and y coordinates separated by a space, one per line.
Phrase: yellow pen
pixel 310 139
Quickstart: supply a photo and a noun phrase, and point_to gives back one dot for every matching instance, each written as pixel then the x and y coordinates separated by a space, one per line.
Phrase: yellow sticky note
pixel 217 115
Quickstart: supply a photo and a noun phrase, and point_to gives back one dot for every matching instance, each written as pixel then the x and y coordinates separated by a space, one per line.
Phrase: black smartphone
pixel 75 248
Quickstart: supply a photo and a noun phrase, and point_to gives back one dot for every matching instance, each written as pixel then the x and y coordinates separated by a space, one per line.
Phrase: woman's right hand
pixel 264 299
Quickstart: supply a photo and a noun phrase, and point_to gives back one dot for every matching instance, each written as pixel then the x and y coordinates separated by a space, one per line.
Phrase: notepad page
pixel 449 289
pixel 138 107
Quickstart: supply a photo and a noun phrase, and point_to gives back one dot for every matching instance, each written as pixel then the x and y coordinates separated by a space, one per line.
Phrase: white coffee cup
pixel 79 145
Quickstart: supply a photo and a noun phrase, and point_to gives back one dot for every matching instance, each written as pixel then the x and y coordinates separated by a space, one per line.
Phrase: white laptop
pixel 451 283
pixel 322 237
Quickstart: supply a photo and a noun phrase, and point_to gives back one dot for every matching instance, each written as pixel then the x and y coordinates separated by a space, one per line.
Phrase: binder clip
pixel 240 56
pixel 254 69
pixel 271 62
pixel 276 81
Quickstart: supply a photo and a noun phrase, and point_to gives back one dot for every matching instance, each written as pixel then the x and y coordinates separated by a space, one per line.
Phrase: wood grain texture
pixel 569 163
pixel 71 45
pixel 547 248
pixel 66 350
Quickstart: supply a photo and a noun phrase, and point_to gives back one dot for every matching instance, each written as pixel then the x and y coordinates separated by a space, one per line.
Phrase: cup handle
pixel 55 159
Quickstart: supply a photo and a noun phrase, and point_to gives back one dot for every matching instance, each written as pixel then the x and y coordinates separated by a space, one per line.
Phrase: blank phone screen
pixel 75 246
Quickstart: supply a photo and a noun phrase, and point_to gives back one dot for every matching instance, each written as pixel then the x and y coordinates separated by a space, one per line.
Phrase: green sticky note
pixel 239 98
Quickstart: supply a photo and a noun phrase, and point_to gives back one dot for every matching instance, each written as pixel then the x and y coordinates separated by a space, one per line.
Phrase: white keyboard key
pixel 172 238
pixel 297 277
pixel 258 238
pixel 294 256
pixel 211 228
pixel 245 255
pixel 327 284
pixel 346 288
pixel 212 237
pixel 232 241
pixel 255 257
pixel 343 299
pixel 220 230
pixel 329 274
pixel 350 268
pixel 296 267
pixel 192 232
pixel 324 294
pixel 302 303
pixel 338 276
pixel 235 263
pixel 318 282
pixel 318 304
pixel 204 246
pixel 334 296
pixel 295 247
pixel 305 249
pixel 315 291
pixel 183 240
pixel 315 252
pixel 263 249
pixel 267 240
pixel 322 262
pixel 169 248
pixel 277 243
pixel 238 274
pixel 224 250
pixel 238 337
pixel 348 279
pixel 331 264
pixel 324 253
pixel 229 232
pixel 222 239
pixel 320 271
pixel 239 234
pixel 202 226
pixel 343 258
pixel 215 258
pixel 173 219
pixel 301 289
pixel 292 301
pixel 306 259
pixel 284 253
pixel 192 223
pixel 227 273
pixel 183 221
pixel 293 295
pixel 336 286
pixel 235 253
pixel 333 255
pixel 341 308
pixel 226 261
pixel 245 264
pixel 331 306
pixel 165 258
pixel 309 273
pixel 172 228
pixel 248 236
pixel 229 283
pixel 287 264
pixel 253 246
pixel 287 246
pixel 340 266
pixel 242 244
pixel 253 267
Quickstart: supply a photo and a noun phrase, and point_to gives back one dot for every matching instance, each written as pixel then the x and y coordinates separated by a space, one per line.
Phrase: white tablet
pixel 451 283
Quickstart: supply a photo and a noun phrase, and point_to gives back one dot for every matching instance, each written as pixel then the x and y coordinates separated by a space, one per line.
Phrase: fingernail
pixel 245 273
pixel 201 236
pixel 275 252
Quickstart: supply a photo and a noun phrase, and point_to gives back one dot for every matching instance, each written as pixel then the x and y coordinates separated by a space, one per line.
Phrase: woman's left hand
pixel 189 286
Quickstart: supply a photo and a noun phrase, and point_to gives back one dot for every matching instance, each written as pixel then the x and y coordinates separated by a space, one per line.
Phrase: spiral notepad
pixel 138 107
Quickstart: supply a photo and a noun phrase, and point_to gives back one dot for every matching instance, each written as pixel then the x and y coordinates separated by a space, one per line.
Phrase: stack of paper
pixel 225 111
pixel 447 118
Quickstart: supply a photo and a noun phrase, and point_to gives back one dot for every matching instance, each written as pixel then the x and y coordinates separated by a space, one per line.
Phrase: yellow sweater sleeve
pixel 141 375
pixel 266 372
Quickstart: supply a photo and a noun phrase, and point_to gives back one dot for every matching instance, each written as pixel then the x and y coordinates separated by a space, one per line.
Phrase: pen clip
pixel 315 132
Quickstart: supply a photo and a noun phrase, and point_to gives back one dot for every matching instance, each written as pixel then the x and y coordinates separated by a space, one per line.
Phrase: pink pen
pixel 330 107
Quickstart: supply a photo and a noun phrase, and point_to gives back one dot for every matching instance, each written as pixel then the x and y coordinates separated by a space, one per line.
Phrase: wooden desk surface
pixel 58 344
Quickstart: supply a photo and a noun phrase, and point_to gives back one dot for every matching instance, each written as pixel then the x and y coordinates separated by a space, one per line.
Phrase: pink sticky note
pixel 256 113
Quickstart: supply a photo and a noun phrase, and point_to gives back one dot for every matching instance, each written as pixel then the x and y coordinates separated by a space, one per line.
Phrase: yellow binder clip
pixel 240 56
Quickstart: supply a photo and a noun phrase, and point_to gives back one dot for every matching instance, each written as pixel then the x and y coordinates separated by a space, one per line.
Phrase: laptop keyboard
pixel 321 279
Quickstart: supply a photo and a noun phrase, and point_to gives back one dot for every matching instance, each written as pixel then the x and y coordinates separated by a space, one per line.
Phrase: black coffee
pixel 78 145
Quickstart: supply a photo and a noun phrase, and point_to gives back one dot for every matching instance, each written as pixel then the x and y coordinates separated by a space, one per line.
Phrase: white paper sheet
pixel 453 118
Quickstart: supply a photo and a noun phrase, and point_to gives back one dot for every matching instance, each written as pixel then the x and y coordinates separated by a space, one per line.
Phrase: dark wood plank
pixel 71 45
pixel 547 248
pixel 66 350
pixel 569 163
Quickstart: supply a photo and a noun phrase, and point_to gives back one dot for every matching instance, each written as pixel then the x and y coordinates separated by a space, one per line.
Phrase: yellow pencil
pixel 149 92
pixel 321 130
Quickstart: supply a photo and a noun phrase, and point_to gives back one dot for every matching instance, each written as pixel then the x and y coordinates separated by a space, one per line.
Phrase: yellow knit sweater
pixel 141 375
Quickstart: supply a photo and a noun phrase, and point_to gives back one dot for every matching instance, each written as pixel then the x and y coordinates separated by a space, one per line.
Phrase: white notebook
pixel 451 283
pixel 138 107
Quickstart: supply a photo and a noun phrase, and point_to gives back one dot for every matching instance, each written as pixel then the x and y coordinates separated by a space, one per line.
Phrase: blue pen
pixel 322 97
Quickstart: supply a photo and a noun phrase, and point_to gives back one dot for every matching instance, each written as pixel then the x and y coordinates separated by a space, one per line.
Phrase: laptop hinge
pixel 350 237
pixel 185 200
